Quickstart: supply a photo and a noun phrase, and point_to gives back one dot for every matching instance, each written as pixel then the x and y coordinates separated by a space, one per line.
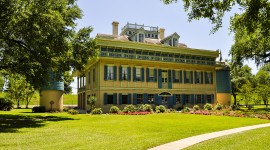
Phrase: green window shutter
pixel 181 80
pixel 134 73
pixel 120 73
pixel 142 74
pixel 169 79
pixel 191 75
pixel 105 98
pixel 159 100
pixel 170 102
pixel 114 73
pixel 212 98
pixel 195 77
pixel 185 76
pixel 155 75
pixel 192 100
pixel 159 78
pixel 203 99
pixel 129 98
pixel 211 82
pixel 205 79
pixel 105 72
pixel 173 75
pixel 184 99
pixel 156 99
pixel 134 98
pixel 129 73
pixel 120 98
pixel 174 99
pixel 202 78
pixel 115 98
pixel 145 98
pixel 147 75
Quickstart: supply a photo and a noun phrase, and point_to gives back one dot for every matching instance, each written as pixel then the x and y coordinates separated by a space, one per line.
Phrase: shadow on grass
pixel 11 123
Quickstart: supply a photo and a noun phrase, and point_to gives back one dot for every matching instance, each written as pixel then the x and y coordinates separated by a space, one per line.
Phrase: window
pixel 208 98
pixel 139 99
pixel 199 99
pixel 164 76
pixel 110 99
pixel 138 74
pixel 156 36
pixel 124 99
pixel 124 73
pixel 178 99
pixel 198 77
pixel 151 75
pixel 188 77
pixel 177 76
pixel 94 75
pixel 187 99
pixel 175 43
pixel 110 73
pixel 150 98
pixel 208 77
pixel 164 100
pixel 141 38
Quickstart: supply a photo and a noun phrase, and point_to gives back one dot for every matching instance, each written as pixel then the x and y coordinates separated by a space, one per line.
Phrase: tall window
pixel 164 100
pixel 110 99
pixel 198 77
pixel 208 77
pixel 94 75
pixel 177 76
pixel 141 38
pixel 124 99
pixel 164 76
pixel 175 43
pixel 208 98
pixel 199 99
pixel 150 98
pixel 139 99
pixel 110 73
pixel 124 73
pixel 151 75
pixel 187 99
pixel 178 99
pixel 138 74
pixel 188 77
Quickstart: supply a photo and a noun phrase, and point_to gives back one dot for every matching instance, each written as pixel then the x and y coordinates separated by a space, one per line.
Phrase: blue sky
pixel 196 34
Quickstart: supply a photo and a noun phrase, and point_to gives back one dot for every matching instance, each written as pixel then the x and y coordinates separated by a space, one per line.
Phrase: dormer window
pixel 175 42
pixel 141 37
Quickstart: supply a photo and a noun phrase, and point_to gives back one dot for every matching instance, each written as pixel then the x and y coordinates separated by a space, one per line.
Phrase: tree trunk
pixel 27 102
pixel 234 97
pixel 18 103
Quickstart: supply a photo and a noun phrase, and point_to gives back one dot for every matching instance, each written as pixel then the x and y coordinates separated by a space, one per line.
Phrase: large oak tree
pixel 40 36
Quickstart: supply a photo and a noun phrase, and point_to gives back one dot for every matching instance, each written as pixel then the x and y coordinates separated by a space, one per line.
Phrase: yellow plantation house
pixel 143 66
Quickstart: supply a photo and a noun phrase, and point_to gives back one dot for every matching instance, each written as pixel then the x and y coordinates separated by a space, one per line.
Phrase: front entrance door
pixel 167 101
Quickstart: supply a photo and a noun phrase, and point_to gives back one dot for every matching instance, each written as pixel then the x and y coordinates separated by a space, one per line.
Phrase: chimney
pixel 115 27
pixel 161 33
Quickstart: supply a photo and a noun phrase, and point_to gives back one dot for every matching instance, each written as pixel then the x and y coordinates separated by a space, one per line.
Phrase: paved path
pixel 183 143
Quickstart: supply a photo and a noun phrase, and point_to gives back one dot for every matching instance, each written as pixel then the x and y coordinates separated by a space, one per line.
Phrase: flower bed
pixel 134 113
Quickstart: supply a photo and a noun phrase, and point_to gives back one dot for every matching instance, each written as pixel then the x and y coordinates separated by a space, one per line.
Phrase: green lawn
pixel 257 139
pixel 21 129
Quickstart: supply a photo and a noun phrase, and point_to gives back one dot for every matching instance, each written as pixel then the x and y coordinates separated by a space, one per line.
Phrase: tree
pixel 264 93
pixel 91 102
pixel 251 25
pixel 40 36
pixel 247 93
pixel 67 81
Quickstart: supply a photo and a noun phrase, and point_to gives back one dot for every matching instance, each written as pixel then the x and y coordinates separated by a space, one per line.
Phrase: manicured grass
pixel 257 139
pixel 70 99
pixel 20 129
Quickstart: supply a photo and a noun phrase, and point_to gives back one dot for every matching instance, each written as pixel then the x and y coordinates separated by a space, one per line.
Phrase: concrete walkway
pixel 183 143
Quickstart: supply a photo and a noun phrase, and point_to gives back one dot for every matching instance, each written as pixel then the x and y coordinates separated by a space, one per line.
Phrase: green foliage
pixel 38 109
pixel 5 104
pixel 42 37
pixel 234 107
pixel 147 107
pixel 65 109
pixel 114 110
pixel 218 107
pixel 68 78
pixel 96 111
pixel 208 106
pixel 246 93
pixel 186 109
pixel 129 108
pixel 73 111
pixel 196 107
pixel 91 102
pixel 160 109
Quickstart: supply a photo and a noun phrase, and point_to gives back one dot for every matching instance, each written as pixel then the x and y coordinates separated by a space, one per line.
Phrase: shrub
pixel 196 107
pixel 114 110
pixel 5 104
pixel 208 106
pixel 129 108
pixel 73 112
pixel 218 107
pixel 38 109
pixel 65 109
pixel 186 109
pixel 140 108
pixel 96 111
pixel 160 109
pixel 180 108
pixel 147 108
pixel 234 107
